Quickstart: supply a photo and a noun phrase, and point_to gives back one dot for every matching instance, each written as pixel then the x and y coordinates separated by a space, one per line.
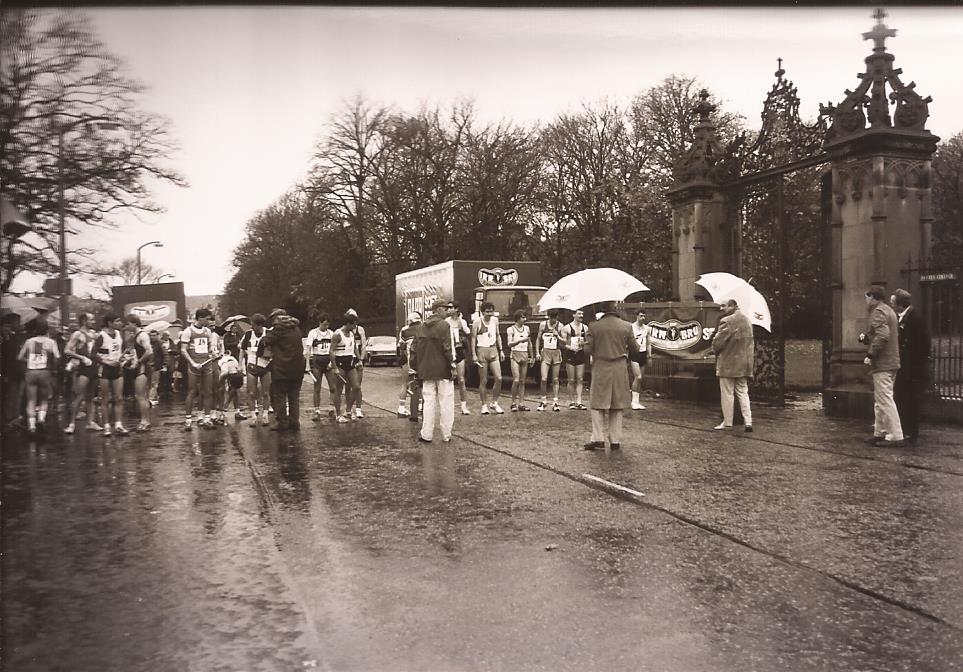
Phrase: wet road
pixel 357 548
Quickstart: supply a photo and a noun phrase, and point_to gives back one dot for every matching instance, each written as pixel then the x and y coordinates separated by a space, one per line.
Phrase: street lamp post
pixel 155 243
pixel 165 275
pixel 100 122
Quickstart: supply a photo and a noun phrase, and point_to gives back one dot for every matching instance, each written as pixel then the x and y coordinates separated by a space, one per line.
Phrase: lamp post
pixel 154 243
pixel 165 275
pixel 100 122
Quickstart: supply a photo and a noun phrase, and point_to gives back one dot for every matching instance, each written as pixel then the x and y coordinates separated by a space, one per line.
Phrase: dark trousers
pixel 284 399
pixel 907 393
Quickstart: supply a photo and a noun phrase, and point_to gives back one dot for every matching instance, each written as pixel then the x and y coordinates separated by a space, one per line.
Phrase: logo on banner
pixel 497 277
pixel 674 335
pixel 419 299
pixel 151 312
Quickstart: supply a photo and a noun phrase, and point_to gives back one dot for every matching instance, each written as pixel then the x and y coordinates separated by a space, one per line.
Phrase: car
pixel 383 350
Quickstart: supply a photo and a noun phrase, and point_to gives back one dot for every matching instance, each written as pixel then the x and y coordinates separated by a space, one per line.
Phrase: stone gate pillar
pixel 881 212
pixel 702 237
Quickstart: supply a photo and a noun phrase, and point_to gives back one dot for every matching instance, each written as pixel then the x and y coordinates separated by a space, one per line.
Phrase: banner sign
pixel 151 311
pixel 497 277
pixel 680 330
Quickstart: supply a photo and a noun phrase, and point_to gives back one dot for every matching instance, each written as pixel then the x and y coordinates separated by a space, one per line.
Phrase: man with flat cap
pixel 433 358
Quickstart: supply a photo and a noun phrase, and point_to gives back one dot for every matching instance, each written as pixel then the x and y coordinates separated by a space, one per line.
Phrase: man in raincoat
pixel 734 347
pixel 609 342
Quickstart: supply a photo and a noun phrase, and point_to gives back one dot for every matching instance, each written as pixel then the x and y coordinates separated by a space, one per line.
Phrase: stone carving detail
pixel 905 174
pixel 851 179
pixel 868 103
pixel 703 158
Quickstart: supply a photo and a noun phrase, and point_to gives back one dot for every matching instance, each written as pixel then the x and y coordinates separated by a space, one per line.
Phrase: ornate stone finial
pixel 779 71
pixel 701 160
pixel 704 108
pixel 880 32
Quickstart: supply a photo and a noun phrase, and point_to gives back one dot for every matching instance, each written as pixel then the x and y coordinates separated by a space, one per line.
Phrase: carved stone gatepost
pixel 702 240
pixel 881 209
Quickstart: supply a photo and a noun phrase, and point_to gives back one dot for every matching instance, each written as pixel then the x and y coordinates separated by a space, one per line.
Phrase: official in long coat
pixel 735 362
pixel 914 370
pixel 609 342
pixel 882 356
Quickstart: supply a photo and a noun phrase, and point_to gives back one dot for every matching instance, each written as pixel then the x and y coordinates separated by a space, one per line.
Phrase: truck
pixel 509 285
pixel 158 301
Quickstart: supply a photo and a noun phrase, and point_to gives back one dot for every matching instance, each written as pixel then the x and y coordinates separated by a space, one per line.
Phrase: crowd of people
pixel 95 370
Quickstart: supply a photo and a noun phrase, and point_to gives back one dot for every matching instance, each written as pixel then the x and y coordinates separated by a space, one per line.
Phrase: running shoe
pixel 497 408
pixel 93 426
pixel 464 408
pixel 69 429
pixel 143 427
pixel 513 408
pixel 541 406
pixel 402 412
pixel 581 407
pixel 265 421
pixel 572 405
pixel 357 413
pixel 120 429
pixel 254 420
pixel 187 424
pixel 523 407
pixel 636 406
pixel 107 430
pixel 342 420
pixel 555 407
pixel 240 415
pixel 316 416
pixel 206 423
pixel 219 420
pixel 484 410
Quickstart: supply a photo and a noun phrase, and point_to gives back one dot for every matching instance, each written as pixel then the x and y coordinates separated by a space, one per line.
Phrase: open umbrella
pixel 243 321
pixel 590 286
pixel 725 286
pixel 158 326
pixel 27 307
pixel 12 220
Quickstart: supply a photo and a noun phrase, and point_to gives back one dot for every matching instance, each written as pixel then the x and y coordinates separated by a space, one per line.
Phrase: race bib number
pixel 322 347
pixel 201 346
pixel 37 360
pixel 550 341
pixel 578 342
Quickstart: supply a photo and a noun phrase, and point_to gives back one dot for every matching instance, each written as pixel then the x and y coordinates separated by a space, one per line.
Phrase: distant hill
pixel 201 301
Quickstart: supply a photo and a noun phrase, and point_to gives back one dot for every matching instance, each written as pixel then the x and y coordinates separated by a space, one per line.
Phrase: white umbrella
pixel 725 286
pixel 158 326
pixel 590 286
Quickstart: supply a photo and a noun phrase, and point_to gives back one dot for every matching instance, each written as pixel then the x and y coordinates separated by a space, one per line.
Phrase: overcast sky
pixel 249 90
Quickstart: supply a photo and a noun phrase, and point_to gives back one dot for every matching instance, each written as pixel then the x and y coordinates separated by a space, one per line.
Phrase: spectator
pixel 734 346
pixel 913 374
pixel 433 357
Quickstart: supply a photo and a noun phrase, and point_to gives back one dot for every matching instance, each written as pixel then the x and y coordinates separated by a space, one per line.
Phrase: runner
pixel 217 389
pixel 344 360
pixel 641 332
pixel 573 336
pixel 230 381
pixel 409 379
pixel 142 365
pixel 107 352
pixel 361 353
pixel 486 345
pixel 40 353
pixel 258 368
pixel 197 351
pixel 520 345
pixel 459 334
pixel 548 350
pixel 77 351
pixel 318 354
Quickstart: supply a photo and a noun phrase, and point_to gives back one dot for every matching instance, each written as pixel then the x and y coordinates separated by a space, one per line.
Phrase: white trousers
pixel 442 392
pixel 607 422
pixel 886 416
pixel 738 387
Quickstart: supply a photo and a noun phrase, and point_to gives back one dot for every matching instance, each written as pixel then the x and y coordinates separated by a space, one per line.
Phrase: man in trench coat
pixel 735 362
pixel 609 342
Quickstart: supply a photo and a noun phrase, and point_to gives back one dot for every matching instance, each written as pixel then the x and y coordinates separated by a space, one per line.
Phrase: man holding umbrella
pixel 610 343
pixel 734 347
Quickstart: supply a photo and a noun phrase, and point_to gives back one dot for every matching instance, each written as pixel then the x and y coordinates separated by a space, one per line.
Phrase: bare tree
pixel 74 142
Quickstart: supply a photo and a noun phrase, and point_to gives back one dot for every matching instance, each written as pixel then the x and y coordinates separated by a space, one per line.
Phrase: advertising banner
pixel 683 331
pixel 161 301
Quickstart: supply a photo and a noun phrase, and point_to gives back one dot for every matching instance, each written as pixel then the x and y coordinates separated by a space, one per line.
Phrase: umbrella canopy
pixel 243 321
pixel 725 286
pixel 27 307
pixel 158 326
pixel 590 286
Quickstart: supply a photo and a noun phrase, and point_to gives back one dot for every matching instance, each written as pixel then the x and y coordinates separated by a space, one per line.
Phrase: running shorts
pixel 235 380
pixel 346 362
pixel 320 363
pixel 41 379
pixel 110 372
pixel 487 355
pixel 459 353
pixel 520 358
pixel 257 371
pixel 88 372
pixel 573 358
pixel 551 357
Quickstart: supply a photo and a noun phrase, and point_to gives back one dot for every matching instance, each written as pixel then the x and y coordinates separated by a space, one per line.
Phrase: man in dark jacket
pixel 287 368
pixel 433 358
pixel 913 374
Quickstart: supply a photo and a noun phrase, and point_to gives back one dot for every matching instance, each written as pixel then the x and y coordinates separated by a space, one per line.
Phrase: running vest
pixel 514 334
pixel 38 353
pixel 458 327
pixel 578 330
pixel 549 336
pixel 345 346
pixel 199 342
pixel 641 334
pixel 110 346
pixel 253 340
pixel 320 341
pixel 486 339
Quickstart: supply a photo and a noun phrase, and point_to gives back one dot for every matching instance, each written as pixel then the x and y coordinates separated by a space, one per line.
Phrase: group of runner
pixel 553 345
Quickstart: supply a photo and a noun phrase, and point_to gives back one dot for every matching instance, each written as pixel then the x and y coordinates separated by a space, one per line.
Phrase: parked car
pixel 382 350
